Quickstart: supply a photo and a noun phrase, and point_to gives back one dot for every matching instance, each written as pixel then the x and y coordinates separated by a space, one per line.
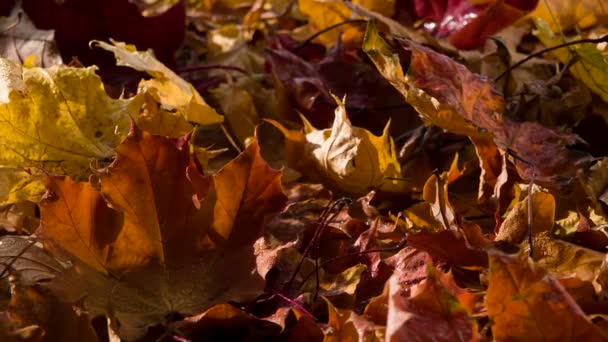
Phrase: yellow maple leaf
pixel 177 102
pixel 350 159
pixel 59 119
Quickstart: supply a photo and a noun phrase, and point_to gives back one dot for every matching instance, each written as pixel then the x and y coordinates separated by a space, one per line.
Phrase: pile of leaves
pixel 304 170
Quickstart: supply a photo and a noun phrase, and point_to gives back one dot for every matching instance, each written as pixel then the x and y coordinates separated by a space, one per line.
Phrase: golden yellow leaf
pixel 564 15
pixel 324 13
pixel 59 119
pixel 350 159
pixel 177 102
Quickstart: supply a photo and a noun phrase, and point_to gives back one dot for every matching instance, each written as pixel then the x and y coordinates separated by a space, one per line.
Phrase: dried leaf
pixel 429 313
pixel 350 159
pixel 170 240
pixel 526 303
pixel 58 118
pixel 178 102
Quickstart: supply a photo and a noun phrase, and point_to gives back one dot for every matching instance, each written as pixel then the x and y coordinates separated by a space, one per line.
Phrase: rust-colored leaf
pixel 526 303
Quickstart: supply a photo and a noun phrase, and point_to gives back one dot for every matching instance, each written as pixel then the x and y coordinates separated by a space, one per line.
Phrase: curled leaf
pixel 348 158
pixel 177 102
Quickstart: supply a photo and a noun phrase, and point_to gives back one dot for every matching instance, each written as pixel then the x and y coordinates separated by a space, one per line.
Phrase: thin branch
pixel 327 29
pixel 602 39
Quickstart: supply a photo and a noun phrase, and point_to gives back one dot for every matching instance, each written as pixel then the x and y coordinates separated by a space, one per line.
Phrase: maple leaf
pixel 307 80
pixel 348 158
pixel 59 119
pixel 169 237
pixel 557 256
pixel 178 102
pixel 526 303
pixel 346 325
pixel 429 312
pixel 225 322
pixel 445 93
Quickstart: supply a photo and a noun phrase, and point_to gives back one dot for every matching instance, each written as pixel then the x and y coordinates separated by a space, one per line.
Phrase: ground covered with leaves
pixel 303 170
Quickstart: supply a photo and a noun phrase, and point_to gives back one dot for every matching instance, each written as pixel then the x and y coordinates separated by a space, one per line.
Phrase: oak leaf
pixel 59 119
pixel 170 234
pixel 348 158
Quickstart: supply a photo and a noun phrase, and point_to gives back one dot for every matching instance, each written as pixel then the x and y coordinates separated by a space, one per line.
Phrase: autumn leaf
pixel 323 14
pixel 183 226
pixel 21 41
pixel 59 119
pixel 177 102
pixel 349 158
pixel 585 61
pixel 430 312
pixel 526 303
pixel 445 93
pixel 467 24
pixel 564 16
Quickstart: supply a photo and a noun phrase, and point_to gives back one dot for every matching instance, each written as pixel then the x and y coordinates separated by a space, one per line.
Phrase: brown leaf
pixel 429 313
pixel 526 303
pixel 55 320
pixel 225 322
pixel 170 227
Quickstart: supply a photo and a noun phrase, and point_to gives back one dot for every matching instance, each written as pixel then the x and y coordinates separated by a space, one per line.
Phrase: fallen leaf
pixel 348 158
pixel 37 308
pixel 146 253
pixel 564 16
pixel 587 62
pixel 345 325
pixel 59 119
pixel 178 102
pixel 225 322
pixel 21 41
pixel 430 312
pixel 526 303
pixel 323 14
pixel 468 23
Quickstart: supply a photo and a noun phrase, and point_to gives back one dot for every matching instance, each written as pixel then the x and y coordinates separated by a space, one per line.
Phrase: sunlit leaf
pixel 59 119
pixel 348 158
pixel 177 101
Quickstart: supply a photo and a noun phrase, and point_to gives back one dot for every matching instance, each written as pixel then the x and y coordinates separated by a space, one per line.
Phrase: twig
pixel 602 39
pixel 327 29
